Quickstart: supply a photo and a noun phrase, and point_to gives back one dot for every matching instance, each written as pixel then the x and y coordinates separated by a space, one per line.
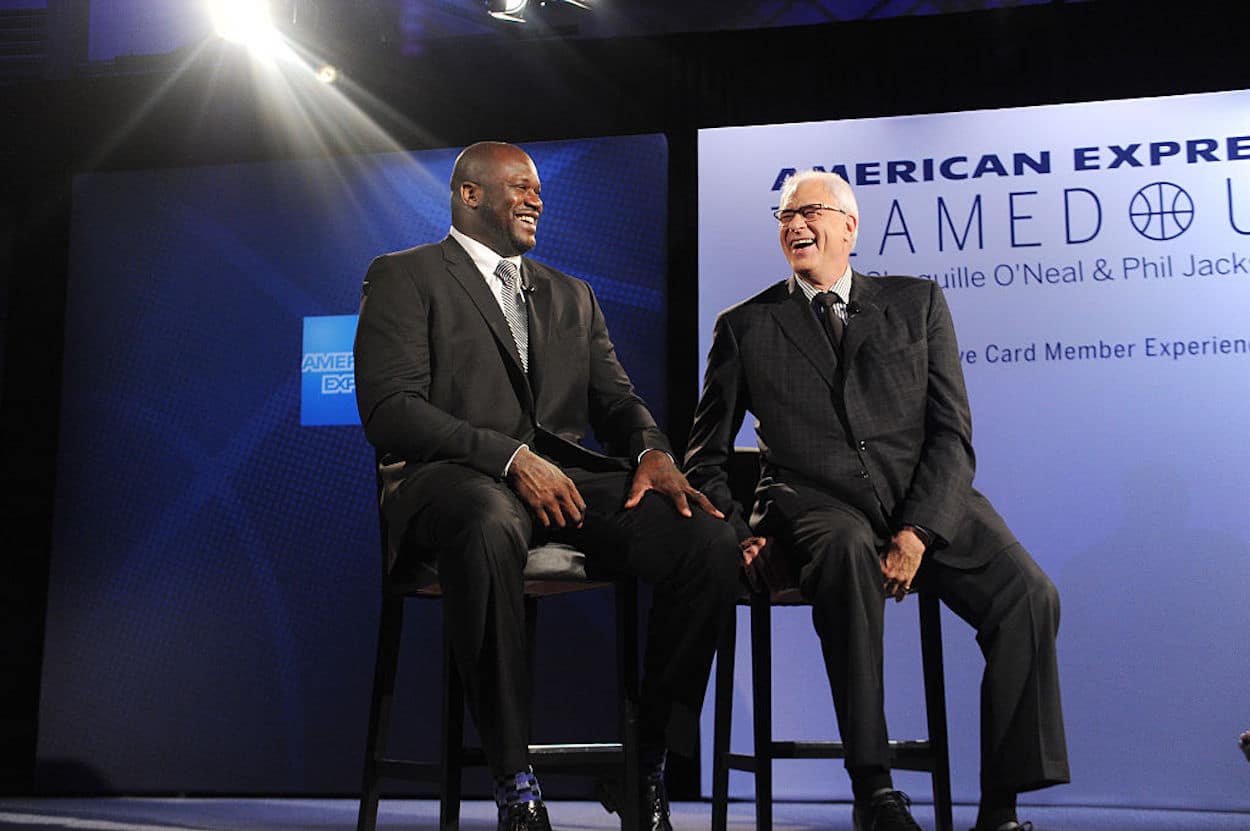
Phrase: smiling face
pixel 500 199
pixel 818 249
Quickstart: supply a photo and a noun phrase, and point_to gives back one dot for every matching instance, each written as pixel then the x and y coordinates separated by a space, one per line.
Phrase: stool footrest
pixel 808 750
pixel 904 755
pixel 912 755
pixel 605 754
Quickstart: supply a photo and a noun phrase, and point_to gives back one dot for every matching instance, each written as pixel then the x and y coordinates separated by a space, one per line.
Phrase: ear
pixel 852 222
pixel 470 194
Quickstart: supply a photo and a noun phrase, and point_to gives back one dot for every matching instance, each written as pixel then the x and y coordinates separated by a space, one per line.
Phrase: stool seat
pixel 787 596
pixel 552 568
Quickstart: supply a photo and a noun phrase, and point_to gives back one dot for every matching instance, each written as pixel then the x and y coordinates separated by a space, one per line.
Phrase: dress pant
pixel 481 531
pixel 1009 601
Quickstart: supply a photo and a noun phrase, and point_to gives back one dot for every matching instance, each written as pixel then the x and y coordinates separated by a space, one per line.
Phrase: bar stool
pixel 550 570
pixel 929 754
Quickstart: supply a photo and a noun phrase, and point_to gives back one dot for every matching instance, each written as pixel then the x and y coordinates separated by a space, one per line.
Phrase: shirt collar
pixel 483 256
pixel 842 288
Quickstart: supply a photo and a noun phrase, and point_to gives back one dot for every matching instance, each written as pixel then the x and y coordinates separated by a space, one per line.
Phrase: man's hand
pixel 542 486
pixel 751 547
pixel 656 472
pixel 900 563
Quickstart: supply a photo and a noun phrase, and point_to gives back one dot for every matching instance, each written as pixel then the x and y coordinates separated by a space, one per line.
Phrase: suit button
pixel 863 445
pixel 863 474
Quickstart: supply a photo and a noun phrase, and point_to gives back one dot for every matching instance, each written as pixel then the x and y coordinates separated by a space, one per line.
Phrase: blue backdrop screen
pixel 214 589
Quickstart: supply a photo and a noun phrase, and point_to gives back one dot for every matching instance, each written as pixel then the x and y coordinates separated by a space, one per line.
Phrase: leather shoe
pixel 886 812
pixel 653 814
pixel 525 816
pixel 1009 826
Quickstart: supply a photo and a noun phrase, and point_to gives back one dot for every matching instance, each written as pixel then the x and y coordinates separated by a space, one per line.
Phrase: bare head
pixel 496 197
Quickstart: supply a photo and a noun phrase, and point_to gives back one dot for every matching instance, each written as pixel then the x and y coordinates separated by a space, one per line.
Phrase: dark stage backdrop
pixel 215 569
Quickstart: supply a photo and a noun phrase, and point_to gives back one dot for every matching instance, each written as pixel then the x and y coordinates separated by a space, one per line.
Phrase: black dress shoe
pixel 653 813
pixel 525 816
pixel 886 812
pixel 1008 826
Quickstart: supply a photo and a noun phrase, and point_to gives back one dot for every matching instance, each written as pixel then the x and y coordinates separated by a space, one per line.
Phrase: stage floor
pixel 422 815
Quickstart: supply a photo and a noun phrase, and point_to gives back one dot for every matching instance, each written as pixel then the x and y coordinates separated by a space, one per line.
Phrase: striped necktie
pixel 514 310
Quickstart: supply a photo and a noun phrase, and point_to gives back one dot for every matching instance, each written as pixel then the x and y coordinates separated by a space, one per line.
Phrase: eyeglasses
pixel 809 212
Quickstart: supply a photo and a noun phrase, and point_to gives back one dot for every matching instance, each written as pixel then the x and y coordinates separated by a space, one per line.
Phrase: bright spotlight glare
pixel 328 74
pixel 246 22
pixel 509 10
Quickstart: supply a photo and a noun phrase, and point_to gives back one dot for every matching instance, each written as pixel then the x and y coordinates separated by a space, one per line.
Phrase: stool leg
pixel 723 725
pixel 531 652
pixel 762 686
pixel 453 740
pixel 935 705
pixel 626 594
pixel 389 633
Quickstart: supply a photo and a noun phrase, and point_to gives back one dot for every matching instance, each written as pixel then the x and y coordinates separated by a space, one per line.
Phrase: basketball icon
pixel 1161 211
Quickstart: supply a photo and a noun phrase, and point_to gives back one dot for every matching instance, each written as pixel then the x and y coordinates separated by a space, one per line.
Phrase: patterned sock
pixel 651 764
pixel 521 786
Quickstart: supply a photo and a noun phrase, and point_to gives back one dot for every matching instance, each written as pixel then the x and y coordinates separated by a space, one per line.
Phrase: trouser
pixel 1009 601
pixel 480 532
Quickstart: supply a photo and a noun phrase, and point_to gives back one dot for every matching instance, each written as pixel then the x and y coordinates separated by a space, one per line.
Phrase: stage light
pixel 509 10
pixel 328 73
pixel 245 21
pixel 581 4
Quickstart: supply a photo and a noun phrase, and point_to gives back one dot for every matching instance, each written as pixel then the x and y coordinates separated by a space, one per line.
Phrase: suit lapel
pixel 461 267
pixel 538 304
pixel 864 325
pixel 799 324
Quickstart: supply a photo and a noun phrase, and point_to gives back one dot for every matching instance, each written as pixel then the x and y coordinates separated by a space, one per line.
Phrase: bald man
pixel 478 372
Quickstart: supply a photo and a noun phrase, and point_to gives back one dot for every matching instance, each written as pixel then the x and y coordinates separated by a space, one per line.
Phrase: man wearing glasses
pixel 866 484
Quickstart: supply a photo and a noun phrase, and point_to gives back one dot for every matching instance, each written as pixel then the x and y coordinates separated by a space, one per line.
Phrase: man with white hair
pixel 866 484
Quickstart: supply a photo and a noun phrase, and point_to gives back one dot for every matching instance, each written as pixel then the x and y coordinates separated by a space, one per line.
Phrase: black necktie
pixel 823 304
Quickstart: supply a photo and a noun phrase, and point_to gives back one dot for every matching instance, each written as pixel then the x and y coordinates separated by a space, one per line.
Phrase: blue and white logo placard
pixel 327 371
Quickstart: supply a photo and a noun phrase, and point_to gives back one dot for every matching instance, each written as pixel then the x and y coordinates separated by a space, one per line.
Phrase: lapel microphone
pixel 852 309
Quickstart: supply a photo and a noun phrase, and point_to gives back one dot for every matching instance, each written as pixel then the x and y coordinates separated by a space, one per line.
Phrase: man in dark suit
pixel 477 374
pixel 866 482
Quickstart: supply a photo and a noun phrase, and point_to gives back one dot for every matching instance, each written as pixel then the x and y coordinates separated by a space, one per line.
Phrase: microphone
pixel 852 309
pixel 528 288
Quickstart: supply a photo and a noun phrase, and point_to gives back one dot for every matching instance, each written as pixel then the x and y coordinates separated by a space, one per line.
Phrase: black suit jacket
pixel 439 381
pixel 886 431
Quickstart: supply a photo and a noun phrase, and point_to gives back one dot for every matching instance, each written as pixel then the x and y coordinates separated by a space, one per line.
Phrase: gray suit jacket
pixel 886 432
pixel 439 381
